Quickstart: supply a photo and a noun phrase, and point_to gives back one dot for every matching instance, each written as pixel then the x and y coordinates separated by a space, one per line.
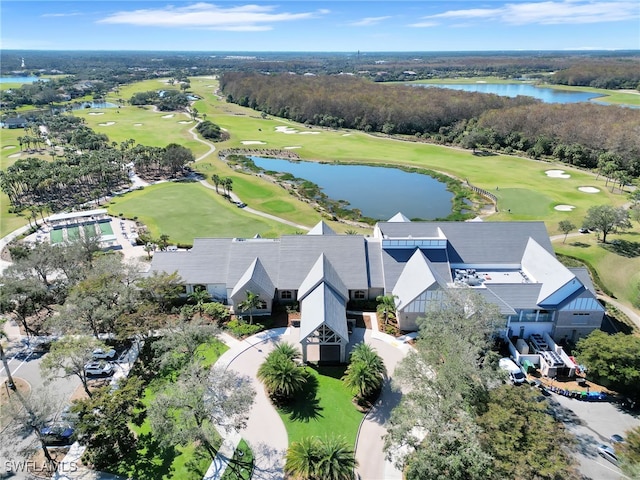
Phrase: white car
pixel 515 372
pixel 99 368
pixel 100 354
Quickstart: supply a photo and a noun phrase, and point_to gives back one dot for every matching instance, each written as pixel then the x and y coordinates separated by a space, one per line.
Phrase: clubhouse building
pixel 510 264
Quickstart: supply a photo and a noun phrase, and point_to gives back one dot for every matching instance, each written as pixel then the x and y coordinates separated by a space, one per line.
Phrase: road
pixel 26 365
pixel 593 423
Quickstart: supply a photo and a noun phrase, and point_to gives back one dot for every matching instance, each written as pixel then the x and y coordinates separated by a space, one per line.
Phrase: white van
pixel 515 372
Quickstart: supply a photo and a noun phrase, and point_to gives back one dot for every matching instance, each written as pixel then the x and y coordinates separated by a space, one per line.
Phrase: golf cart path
pixel 235 197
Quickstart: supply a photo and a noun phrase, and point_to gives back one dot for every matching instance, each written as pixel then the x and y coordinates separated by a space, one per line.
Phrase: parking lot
pixel 593 423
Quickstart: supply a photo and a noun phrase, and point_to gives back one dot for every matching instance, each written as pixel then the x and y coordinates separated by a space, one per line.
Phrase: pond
pixel 547 95
pixel 378 192
pixel 80 106
pixel 21 79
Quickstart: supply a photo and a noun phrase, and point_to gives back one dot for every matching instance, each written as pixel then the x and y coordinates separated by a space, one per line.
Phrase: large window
pixel 286 295
pixel 359 295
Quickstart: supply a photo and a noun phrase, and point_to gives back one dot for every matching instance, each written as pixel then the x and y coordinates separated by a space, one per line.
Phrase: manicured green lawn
pixel 150 462
pixel 325 408
pixel 185 211
pixel 617 265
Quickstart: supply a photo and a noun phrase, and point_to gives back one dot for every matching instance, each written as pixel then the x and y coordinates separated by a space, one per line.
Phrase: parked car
pixel 241 205
pixel 583 230
pixel 57 434
pixel 608 453
pixel 100 354
pixel 615 438
pixel 515 372
pixel 99 368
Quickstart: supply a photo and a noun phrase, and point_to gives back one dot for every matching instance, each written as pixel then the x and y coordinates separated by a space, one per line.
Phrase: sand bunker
pixel 107 124
pixel 184 121
pixel 564 208
pixel 8 147
pixel 15 155
pixel 137 124
pixel 168 116
pixel 589 189
pixel 253 142
pixel 309 133
pixel 96 113
pixel 292 147
pixel 557 174
pixel 285 129
pixel 346 134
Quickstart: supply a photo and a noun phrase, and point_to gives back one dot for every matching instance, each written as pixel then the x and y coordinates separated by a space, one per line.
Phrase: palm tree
pixel 288 350
pixel 10 383
pixel 366 372
pixel 216 180
pixel 200 297
pixel 320 459
pixel 251 303
pixel 281 376
pixel 387 307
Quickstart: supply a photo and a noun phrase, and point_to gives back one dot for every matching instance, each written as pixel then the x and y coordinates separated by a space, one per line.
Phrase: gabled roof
pixel 558 282
pixel 416 277
pixel 399 217
pixel 321 228
pixel 321 306
pixel 322 271
pixel 255 279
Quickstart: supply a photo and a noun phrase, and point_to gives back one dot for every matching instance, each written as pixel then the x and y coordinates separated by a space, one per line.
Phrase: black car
pixel 57 434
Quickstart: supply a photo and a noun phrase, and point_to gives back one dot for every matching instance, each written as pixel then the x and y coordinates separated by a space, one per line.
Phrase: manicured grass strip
pixel 330 412
pixel 185 211
pixel 617 264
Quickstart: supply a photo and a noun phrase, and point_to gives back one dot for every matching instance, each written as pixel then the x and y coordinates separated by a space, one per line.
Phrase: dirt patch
pixel 80 394
pixel 38 465
pixel 7 395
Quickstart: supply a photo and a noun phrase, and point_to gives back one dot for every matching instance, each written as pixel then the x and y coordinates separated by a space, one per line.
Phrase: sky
pixel 320 26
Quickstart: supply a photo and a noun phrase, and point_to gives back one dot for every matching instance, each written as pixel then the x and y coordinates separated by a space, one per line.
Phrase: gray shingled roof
pixel 416 277
pixel 545 269
pixel 256 280
pixel 517 295
pixel 322 271
pixel 346 253
pixel 477 242
pixel 323 306
pixel 321 228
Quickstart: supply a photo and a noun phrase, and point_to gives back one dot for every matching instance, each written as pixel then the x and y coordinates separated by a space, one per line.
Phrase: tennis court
pixel 56 236
pixel 105 228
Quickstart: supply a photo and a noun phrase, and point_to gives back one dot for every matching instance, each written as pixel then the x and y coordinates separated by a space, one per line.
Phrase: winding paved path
pixel 265 431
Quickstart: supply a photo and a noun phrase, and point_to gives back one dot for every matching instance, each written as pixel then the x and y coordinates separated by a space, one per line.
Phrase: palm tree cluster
pixel 313 458
pixel 282 376
pixel 226 183
pixel 365 374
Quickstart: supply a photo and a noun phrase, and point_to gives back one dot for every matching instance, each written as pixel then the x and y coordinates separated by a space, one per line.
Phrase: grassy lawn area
pixel 185 211
pixel 617 264
pixel 150 462
pixel 324 408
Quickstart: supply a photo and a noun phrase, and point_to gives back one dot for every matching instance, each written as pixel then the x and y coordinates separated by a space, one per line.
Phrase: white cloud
pixel 369 21
pixel 210 16
pixel 72 14
pixel 545 13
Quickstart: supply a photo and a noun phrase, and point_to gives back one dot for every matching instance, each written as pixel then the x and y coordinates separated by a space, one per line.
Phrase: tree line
pixel 85 166
pixel 578 134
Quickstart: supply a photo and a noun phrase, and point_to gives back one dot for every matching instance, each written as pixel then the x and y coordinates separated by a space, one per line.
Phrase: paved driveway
pixel 593 423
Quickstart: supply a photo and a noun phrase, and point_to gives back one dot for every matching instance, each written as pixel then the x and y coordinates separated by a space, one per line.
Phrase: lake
pixel 547 95
pixel 21 79
pixel 82 105
pixel 378 192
